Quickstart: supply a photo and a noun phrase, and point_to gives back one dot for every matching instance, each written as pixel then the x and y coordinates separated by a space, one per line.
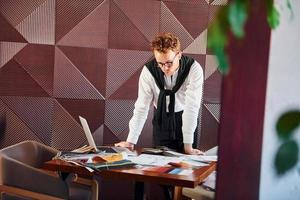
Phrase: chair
pixel 21 176
pixel 198 193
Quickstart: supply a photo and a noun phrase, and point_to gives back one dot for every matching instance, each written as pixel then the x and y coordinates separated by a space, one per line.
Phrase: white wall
pixel 283 93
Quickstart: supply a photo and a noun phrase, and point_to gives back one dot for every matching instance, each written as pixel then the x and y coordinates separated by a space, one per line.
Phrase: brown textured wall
pixel 60 59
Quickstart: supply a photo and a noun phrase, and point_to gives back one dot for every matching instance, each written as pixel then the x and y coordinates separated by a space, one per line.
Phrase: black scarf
pixel 166 120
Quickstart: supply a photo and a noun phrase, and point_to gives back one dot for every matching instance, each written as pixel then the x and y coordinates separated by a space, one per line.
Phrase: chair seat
pixel 198 193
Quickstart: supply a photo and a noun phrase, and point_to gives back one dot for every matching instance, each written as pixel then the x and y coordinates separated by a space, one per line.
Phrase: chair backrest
pixel 31 153
pixel 20 167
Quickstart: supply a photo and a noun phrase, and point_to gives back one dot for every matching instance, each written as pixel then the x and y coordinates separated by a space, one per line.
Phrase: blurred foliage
pixel 287 123
pixel 272 14
pixel 232 18
pixel 286 156
pixel 288 152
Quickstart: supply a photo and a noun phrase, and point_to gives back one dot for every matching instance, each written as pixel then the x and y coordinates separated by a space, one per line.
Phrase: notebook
pixel 92 143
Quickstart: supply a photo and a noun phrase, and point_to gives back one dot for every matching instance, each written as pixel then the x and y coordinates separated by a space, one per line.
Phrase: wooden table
pixel 138 175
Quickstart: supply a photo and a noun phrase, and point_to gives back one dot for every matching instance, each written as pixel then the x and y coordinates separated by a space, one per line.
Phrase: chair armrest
pixel 22 194
pixel 20 175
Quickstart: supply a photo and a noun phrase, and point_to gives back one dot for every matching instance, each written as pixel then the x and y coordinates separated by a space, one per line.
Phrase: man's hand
pixel 188 149
pixel 125 144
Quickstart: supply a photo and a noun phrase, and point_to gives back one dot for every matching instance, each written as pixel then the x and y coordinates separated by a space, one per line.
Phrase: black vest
pixel 166 120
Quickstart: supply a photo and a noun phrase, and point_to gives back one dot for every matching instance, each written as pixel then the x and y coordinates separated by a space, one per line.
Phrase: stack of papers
pixel 97 161
pixel 202 158
pixel 160 160
pixel 153 160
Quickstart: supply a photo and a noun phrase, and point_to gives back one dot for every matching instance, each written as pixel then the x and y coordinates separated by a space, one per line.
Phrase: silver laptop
pixel 92 143
pixel 88 133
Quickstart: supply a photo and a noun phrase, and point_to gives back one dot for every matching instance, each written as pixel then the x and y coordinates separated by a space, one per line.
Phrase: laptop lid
pixel 88 133
pixel 92 143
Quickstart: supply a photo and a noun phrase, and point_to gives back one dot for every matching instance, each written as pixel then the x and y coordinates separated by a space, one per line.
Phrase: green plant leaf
pixel 217 38
pixel 286 157
pixel 289 6
pixel 216 42
pixel 237 16
pixel 273 16
pixel 287 123
pixel 222 60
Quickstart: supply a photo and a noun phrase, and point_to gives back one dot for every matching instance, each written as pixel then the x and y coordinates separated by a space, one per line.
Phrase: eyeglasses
pixel 168 63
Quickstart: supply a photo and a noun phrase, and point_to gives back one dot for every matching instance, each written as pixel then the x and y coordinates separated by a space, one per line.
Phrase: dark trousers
pixel 166 137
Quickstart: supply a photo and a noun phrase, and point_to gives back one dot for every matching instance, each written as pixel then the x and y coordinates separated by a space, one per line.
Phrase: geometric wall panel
pixel 109 137
pixel 199 58
pixel 209 130
pixel 35 112
pixel 149 26
pixel 12 128
pixel 212 89
pixel 38 61
pixel 219 2
pixel 120 27
pixel 8 50
pixel 60 59
pixel 15 81
pixel 128 90
pixel 8 32
pixel 16 11
pixel 121 64
pixel 188 13
pixel 70 13
pixel 198 46
pixel 67 133
pixel 92 31
pixel 69 82
pixel 30 27
pixel 92 110
pixel 91 62
pixel 169 23
pixel 211 65
pixel 118 117
pixel 214 110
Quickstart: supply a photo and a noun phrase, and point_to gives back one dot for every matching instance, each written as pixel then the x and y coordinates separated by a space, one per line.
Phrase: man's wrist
pixel 130 144
pixel 187 145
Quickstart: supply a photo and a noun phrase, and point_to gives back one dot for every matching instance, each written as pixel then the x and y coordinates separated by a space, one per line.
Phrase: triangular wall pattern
pixel 69 81
pixel 60 59
pixel 92 31
pixel 8 50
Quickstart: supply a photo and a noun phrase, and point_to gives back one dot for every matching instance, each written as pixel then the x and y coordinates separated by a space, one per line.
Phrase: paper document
pixel 154 160
pixel 202 158
pixel 210 181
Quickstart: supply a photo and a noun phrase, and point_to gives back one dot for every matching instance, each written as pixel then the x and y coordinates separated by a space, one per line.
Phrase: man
pixel 173 83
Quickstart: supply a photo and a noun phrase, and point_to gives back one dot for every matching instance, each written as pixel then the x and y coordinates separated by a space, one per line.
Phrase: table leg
pixel 177 193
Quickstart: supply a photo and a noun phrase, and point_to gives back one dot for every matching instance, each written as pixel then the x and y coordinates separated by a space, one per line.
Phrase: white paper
pixel 154 160
pixel 202 158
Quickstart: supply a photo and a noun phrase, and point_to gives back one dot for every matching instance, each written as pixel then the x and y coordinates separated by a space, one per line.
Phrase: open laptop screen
pixel 88 133
pixel 92 143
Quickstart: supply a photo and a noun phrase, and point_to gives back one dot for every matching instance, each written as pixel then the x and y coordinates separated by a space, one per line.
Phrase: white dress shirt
pixel 187 98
